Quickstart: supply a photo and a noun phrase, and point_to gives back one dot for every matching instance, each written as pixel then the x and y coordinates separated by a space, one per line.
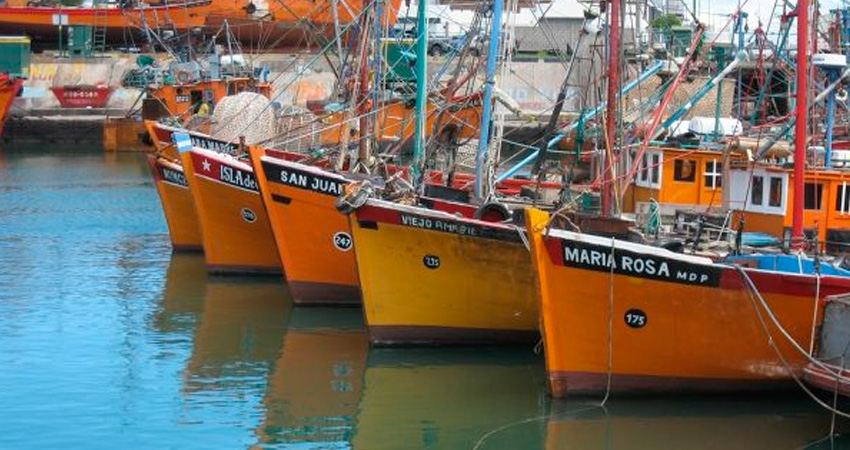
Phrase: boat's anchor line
pixel 755 294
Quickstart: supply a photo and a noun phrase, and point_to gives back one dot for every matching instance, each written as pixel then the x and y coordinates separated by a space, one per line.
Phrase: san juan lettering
pixel 639 265
pixel 311 182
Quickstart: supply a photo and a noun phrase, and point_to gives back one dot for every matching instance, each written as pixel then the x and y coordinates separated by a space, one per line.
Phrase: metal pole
pixel 801 125
pixel 830 119
pixel 487 108
pixel 611 108
pixel 421 88
pixel 574 124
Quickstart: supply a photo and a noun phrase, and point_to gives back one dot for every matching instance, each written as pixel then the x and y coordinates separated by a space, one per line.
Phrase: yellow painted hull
pixel 234 225
pixel 430 277
pixel 177 204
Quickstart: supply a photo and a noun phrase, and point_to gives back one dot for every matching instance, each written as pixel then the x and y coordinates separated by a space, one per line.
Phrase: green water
pixel 109 341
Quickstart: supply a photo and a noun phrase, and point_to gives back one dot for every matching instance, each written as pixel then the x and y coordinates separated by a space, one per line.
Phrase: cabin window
pixel 713 174
pixel 813 194
pixel 757 192
pixel 650 170
pixel 684 170
pixel 775 198
pixel 842 198
pixel 656 168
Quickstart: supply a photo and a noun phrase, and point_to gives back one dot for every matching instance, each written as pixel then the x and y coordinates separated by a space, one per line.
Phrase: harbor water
pixel 107 340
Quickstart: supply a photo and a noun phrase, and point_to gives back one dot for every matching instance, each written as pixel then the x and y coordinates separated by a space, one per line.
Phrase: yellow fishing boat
pixel 432 277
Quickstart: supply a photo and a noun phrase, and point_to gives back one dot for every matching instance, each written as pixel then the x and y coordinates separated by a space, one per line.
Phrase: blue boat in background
pixel 787 263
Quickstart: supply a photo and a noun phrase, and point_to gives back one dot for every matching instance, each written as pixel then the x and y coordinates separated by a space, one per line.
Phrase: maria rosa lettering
pixel 630 264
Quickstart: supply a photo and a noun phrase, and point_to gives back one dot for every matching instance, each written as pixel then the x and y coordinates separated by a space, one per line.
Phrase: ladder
pixel 99 26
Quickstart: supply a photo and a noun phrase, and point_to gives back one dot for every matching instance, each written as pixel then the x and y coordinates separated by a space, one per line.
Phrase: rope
pixel 755 294
pixel 610 324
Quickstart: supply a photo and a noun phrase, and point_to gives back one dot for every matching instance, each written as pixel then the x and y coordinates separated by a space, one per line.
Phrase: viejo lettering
pixel 599 258
pixel 438 225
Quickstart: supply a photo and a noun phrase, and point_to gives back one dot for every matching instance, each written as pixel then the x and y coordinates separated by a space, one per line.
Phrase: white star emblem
pixel 206 165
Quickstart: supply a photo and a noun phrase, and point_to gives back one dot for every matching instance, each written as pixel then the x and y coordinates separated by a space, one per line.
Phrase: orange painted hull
pixel 313 238
pixel 8 91
pixel 675 323
pixel 281 25
pixel 177 204
pixel 234 225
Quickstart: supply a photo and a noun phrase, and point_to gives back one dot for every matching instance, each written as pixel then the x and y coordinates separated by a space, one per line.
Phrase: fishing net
pixel 247 114
pixel 298 130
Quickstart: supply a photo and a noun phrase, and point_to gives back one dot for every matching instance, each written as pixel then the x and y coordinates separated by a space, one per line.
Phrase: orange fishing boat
pixel 234 225
pixel 313 237
pixel 177 204
pixel 179 101
pixel 9 89
pixel 162 137
pixel 625 317
pixel 264 23
pixel 174 195
pixel 430 277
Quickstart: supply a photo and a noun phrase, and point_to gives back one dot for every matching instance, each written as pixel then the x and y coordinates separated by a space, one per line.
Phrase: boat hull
pixel 313 237
pixel 234 225
pixel 430 278
pixel 177 204
pixel 685 324
pixel 9 89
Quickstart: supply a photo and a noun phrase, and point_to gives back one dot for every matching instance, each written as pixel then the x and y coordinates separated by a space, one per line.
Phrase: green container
pixel 80 40
pixel 400 59
pixel 15 56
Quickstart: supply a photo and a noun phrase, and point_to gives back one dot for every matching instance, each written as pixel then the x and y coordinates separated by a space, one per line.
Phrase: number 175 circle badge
pixel 343 241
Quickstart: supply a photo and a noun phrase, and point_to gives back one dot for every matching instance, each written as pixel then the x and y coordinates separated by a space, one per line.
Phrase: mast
pixel 611 108
pixel 487 107
pixel 421 88
pixel 801 125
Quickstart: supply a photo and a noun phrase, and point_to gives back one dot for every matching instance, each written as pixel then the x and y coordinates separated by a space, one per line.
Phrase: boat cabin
pixel 676 178
pixel 184 99
pixel 764 195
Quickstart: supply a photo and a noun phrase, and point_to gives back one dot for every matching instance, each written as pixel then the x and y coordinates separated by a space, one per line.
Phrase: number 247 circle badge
pixel 343 241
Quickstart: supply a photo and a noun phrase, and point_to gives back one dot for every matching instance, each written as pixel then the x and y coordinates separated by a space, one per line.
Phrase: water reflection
pixel 239 336
pixel 316 386
pixel 450 398
pixel 778 421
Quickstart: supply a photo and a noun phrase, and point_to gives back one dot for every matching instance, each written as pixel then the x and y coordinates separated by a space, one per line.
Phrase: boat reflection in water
pixel 238 337
pixel 315 388
pixel 183 296
pixel 785 421
pixel 437 398
pixel 329 390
